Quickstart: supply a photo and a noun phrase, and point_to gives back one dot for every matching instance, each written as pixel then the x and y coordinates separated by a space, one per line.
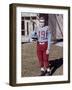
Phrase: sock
pixel 42 69
pixel 48 70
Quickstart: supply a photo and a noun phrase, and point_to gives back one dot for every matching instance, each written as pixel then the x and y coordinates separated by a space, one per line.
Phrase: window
pixel 22 26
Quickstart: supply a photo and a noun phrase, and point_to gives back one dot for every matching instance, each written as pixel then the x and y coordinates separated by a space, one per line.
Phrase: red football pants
pixel 42 56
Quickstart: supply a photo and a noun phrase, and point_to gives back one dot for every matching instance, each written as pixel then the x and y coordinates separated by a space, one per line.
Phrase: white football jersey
pixel 43 33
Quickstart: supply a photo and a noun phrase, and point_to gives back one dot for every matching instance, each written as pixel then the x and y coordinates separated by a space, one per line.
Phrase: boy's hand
pixel 47 51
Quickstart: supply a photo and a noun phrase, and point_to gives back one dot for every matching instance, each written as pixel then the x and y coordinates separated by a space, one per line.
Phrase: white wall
pixel 4 45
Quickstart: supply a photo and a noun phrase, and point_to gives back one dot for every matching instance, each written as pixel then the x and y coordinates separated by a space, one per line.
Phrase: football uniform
pixel 42 34
pixel 43 43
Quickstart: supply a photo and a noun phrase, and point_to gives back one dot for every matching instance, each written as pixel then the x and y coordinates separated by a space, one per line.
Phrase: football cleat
pixel 42 73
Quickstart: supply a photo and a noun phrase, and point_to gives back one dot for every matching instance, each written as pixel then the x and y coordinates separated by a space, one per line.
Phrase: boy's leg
pixel 46 60
pixel 40 58
pixel 46 63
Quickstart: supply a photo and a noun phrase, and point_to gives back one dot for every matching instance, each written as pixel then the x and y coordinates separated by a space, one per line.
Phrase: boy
pixel 43 36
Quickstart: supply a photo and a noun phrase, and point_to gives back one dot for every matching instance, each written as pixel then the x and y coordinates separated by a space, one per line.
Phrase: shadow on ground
pixel 55 64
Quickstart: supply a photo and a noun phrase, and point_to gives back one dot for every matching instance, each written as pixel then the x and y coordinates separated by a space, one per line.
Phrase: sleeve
pixel 49 38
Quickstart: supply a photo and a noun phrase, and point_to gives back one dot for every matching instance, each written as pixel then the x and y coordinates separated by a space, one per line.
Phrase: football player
pixel 42 34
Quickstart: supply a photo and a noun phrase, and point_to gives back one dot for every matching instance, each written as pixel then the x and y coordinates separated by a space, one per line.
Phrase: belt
pixel 42 43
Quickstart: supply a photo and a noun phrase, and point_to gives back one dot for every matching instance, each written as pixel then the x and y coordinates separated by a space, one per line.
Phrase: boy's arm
pixel 49 39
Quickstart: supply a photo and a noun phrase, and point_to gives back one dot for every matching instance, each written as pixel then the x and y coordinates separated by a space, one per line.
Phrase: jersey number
pixel 43 34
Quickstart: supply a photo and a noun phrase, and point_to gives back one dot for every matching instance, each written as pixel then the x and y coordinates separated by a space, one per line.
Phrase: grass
pixel 30 64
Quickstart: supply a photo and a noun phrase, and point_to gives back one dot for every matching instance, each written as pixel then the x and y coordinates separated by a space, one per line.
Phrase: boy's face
pixel 41 23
